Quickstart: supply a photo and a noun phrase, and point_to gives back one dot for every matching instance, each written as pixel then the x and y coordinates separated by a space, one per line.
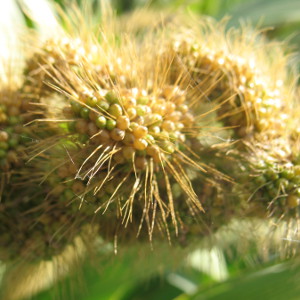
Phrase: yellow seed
pixel 179 126
pixel 179 99
pixel 123 122
pixel 164 135
pixel 154 130
pixel 140 144
pixel 129 102
pixel 183 108
pixel 297 170
pixel 140 132
pixel 292 201
pixel 187 119
pixel 170 107
pixel 159 109
pixel 168 126
pixel 169 91
pixel 115 110
pixel 139 120
pixel 131 112
pixel 174 116
pixel 117 134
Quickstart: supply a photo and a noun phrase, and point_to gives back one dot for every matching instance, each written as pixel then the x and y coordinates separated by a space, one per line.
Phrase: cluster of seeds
pixel 278 187
pixel 35 234
pixel 40 68
pixel 250 102
pixel 13 135
pixel 142 126
pixel 119 141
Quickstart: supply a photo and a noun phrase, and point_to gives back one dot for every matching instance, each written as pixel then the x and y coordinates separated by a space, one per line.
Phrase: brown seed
pixel 93 115
pixel 3 136
pixel 117 134
pixel 140 162
pixel 104 137
pixel 81 126
pixel 72 169
pixel 119 158
pixel 68 112
pixel 63 172
pixel 12 157
pixel 78 187
pixel 92 129
pixel 128 152
pixel 13 111
pixel 152 150
pixel 128 139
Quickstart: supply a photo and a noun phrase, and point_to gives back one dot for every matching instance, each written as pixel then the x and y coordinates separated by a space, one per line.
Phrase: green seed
pixel 68 194
pixel 4 145
pixel 141 110
pixel 296 179
pixel 142 100
pixel 111 124
pixel 115 110
pixel 83 138
pixel 76 107
pixel 2 153
pixel 13 120
pixel 168 147
pixel 101 122
pixel 271 175
pixel 112 97
pixel 260 180
pixel 92 101
pixel 297 192
pixel 282 183
pixel 71 126
pixel 103 105
pixel 288 173
pixel 13 142
pixel 84 113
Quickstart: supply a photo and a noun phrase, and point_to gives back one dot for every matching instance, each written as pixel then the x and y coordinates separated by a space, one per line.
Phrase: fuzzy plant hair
pixel 140 134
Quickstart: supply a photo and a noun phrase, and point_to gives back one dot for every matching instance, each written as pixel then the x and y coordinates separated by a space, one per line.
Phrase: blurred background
pixel 206 272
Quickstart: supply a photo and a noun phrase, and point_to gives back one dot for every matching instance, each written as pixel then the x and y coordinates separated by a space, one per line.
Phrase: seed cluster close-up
pixel 170 136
